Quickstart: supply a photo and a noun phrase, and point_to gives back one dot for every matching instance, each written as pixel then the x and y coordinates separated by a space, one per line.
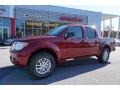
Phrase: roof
pixel 82 25
pixel 108 16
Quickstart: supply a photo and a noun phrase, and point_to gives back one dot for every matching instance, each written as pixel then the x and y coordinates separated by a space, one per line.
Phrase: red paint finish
pixel 61 47
pixel 13 30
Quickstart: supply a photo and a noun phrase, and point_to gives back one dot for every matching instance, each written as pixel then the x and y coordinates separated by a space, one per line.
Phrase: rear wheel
pixel 104 57
pixel 41 65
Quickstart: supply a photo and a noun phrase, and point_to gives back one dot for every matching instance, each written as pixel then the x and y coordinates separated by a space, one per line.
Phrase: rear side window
pixel 90 32
pixel 77 31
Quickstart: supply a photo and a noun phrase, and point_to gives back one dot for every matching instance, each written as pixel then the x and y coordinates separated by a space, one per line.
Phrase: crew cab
pixel 42 53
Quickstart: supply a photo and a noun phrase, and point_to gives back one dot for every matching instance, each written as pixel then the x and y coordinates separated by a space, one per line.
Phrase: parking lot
pixel 84 71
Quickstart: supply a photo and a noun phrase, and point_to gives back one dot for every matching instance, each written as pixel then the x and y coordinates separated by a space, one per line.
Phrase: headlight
pixel 18 45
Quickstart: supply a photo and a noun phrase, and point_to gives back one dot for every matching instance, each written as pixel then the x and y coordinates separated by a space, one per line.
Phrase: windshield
pixel 56 31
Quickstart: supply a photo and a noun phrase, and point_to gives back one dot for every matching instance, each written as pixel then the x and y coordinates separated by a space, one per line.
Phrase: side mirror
pixel 69 34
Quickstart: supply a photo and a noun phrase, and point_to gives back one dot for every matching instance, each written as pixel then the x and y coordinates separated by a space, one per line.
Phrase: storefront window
pixel 4 27
pixel 19 23
pixel 5 22
pixel 19 32
pixel 19 28
pixel 28 32
pixel 35 28
pixel 37 32
pixel 52 25
pixel 26 28
pixel 33 24
pixel 0 33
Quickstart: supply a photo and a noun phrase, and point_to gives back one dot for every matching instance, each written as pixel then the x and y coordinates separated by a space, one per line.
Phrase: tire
pixel 104 57
pixel 41 65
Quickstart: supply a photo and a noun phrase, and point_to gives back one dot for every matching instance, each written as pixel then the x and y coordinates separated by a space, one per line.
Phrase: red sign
pixel 70 19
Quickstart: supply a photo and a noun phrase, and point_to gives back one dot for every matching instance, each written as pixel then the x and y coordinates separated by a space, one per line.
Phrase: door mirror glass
pixel 69 34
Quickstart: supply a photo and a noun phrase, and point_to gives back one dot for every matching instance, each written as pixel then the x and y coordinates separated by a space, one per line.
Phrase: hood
pixel 32 38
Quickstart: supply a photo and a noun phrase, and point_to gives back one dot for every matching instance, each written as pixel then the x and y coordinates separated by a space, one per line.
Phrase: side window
pixel 90 32
pixel 77 30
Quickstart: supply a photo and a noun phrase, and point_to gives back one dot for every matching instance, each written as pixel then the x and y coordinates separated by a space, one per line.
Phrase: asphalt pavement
pixel 85 71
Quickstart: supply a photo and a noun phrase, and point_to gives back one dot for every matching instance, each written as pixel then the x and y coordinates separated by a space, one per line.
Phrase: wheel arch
pixel 52 52
pixel 107 46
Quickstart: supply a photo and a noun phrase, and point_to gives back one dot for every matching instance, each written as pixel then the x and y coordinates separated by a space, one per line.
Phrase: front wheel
pixel 41 65
pixel 104 57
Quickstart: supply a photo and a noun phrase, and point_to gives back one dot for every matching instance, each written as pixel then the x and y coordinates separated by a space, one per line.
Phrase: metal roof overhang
pixel 108 16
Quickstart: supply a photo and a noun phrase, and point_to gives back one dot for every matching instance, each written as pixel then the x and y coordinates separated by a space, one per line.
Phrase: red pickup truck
pixel 41 53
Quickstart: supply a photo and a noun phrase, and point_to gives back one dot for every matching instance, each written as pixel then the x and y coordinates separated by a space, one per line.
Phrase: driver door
pixel 73 45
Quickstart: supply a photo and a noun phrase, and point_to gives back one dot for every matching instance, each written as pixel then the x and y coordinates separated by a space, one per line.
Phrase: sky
pixel 107 9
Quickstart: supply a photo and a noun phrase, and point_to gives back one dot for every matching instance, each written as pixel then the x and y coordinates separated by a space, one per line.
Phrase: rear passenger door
pixel 92 41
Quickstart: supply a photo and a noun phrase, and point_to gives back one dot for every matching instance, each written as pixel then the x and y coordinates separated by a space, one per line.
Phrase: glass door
pixel 1 33
pixel 5 32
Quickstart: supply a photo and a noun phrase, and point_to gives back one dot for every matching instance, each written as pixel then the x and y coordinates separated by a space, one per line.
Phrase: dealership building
pixel 33 20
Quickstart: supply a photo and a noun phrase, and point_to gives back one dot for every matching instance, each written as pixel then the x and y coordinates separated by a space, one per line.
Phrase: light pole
pixel 109 32
pixel 103 28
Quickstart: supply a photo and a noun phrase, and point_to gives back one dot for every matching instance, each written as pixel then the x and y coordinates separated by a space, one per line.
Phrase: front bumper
pixel 19 59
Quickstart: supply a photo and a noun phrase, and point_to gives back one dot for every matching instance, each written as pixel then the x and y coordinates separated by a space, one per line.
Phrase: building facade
pixel 32 20
pixel 7 22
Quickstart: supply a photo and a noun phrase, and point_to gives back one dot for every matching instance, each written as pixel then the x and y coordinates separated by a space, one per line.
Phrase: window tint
pixel 90 32
pixel 77 30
